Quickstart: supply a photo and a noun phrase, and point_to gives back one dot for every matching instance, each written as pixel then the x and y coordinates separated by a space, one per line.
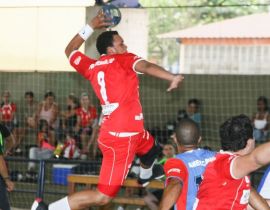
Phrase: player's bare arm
pixel 157 71
pixel 171 194
pixel 98 22
pixel 256 201
pixel 243 165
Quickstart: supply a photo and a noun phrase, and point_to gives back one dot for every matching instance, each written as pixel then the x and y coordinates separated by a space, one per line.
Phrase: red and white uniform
pixel 7 112
pixel 122 133
pixel 86 117
pixel 219 189
pixel 116 86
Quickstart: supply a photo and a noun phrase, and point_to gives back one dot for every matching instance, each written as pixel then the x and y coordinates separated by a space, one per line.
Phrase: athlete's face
pixel 118 45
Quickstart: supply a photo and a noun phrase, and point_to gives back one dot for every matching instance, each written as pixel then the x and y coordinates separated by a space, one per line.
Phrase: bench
pixel 89 180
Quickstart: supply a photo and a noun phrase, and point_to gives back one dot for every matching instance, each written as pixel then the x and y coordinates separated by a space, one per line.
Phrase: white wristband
pixel 86 32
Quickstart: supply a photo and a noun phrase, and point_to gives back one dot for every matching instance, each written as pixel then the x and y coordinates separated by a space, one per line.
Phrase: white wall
pixel 225 59
pixel 34 35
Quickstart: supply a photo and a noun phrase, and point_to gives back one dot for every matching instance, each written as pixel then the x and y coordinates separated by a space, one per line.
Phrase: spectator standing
pixel 193 111
pixel 261 120
pixel 86 121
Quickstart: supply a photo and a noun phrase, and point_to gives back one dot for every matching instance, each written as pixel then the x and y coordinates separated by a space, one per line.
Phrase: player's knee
pixel 148 158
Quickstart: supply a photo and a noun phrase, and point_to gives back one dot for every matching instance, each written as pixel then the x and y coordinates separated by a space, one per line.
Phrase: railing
pixel 50 184
pixel 50 181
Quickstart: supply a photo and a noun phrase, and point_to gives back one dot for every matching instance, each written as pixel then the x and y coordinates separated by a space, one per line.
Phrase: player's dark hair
pixel 187 132
pixel 235 132
pixel 104 41
pixel 29 93
pixel 265 102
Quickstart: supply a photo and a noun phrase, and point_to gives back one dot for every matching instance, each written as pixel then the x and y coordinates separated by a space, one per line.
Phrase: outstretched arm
pixel 244 165
pixel 159 72
pixel 97 22
pixel 171 194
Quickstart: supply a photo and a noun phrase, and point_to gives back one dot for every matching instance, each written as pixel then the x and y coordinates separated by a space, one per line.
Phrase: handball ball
pixel 112 13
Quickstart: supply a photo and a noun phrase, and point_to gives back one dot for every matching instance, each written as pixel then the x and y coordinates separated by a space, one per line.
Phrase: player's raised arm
pixel 98 22
pixel 244 165
pixel 159 72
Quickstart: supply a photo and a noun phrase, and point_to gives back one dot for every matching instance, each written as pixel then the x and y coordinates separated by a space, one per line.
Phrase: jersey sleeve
pixel 129 61
pixel 224 164
pixel 175 168
pixel 81 63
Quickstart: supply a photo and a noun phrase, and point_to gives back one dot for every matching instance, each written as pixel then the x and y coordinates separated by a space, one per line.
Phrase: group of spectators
pixel 66 133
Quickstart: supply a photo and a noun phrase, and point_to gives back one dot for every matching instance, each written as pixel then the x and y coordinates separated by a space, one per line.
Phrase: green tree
pixel 172 15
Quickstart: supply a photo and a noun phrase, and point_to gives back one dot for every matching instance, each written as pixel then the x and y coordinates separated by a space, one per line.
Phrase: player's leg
pixel 78 200
pixel 118 154
pixel 148 150
pixel 4 204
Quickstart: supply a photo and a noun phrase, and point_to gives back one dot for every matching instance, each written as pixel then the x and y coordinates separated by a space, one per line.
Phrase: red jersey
pixel 7 111
pixel 116 85
pixel 219 190
pixel 86 117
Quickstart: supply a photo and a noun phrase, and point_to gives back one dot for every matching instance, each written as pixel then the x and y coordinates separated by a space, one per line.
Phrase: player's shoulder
pixel 173 161
pixel 126 55
pixel 222 155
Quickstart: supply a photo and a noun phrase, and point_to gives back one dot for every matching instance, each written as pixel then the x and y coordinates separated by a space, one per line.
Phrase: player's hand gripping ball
pixel 112 14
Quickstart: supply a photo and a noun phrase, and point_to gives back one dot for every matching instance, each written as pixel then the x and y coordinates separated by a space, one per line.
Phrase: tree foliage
pixel 180 14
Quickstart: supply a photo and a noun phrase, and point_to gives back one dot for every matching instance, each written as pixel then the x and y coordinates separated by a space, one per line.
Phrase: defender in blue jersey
pixel 183 173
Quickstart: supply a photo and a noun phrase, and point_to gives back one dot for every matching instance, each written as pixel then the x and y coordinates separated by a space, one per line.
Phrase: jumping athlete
pixel 122 134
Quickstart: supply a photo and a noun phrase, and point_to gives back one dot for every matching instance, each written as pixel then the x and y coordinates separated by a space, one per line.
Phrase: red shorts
pixel 118 154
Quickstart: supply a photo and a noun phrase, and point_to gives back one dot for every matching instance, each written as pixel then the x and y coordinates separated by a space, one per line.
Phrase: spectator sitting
pixel 86 121
pixel 152 198
pixel 27 117
pixel 261 120
pixel 193 110
pixel 48 110
pixel 45 145
pixel 69 115
pixel 70 149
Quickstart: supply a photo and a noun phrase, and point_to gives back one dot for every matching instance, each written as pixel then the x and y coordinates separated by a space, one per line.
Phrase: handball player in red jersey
pixel 225 183
pixel 122 135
